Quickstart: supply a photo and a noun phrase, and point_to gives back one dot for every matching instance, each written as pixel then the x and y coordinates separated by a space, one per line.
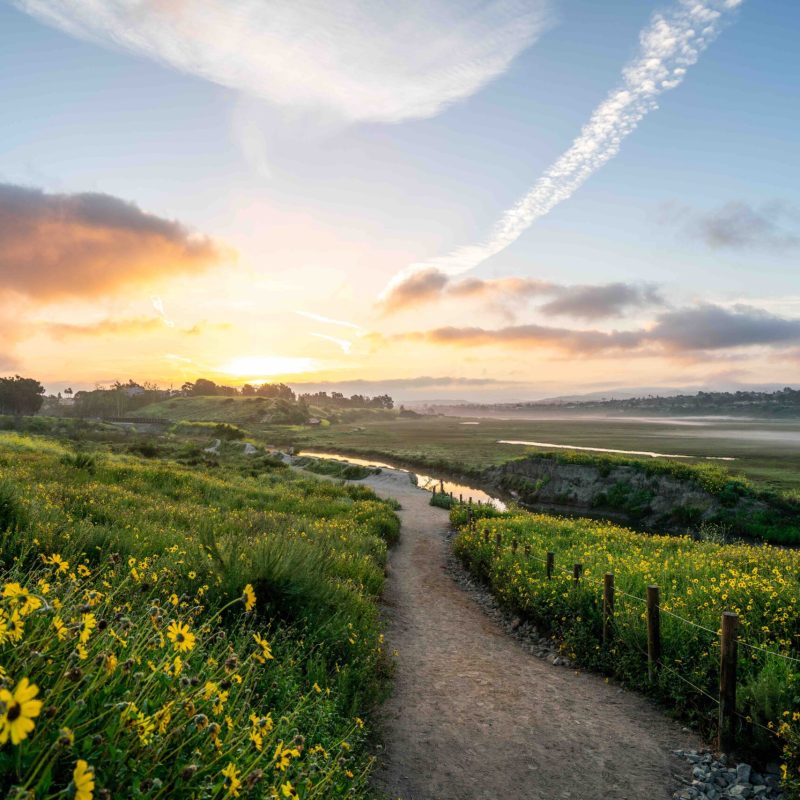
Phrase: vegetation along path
pixel 474 715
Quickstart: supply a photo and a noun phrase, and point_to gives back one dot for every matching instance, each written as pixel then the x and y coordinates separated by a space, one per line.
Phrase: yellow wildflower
pixel 21 598
pixel 182 638
pixel 19 710
pixel 232 781
pixel 83 778
pixel 249 598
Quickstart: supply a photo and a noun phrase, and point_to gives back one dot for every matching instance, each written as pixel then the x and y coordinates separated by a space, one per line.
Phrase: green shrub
pixel 12 513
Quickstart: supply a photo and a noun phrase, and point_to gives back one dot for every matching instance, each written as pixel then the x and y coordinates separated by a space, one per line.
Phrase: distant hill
pixel 783 403
pixel 227 409
pixel 253 410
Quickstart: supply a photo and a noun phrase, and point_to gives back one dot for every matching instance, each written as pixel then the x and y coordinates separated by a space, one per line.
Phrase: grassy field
pixel 175 631
pixel 255 411
pixel 768 453
pixel 698 580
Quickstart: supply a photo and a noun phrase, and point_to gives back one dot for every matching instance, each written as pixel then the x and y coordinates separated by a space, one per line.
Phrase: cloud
pixel 573 341
pixel 359 61
pixel 583 302
pixel 601 302
pixel 668 46
pixel 105 327
pixel 431 285
pixel 392 384
pixel 705 328
pixel 420 287
pixel 120 327
pixel 738 225
pixel 711 327
pixel 57 245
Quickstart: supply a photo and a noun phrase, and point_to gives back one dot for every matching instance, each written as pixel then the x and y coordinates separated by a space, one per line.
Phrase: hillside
pixel 186 631
pixel 654 495
pixel 255 411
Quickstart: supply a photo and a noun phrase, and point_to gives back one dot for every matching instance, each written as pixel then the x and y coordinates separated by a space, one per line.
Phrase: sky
pixel 449 199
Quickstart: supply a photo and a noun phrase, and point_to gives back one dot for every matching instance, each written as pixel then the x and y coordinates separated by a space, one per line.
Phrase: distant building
pixel 314 421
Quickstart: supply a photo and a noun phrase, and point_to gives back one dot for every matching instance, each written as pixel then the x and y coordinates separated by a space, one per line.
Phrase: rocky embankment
pixel 633 495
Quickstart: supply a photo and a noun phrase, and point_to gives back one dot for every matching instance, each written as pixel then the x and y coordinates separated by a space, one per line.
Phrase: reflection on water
pixel 609 450
pixel 426 482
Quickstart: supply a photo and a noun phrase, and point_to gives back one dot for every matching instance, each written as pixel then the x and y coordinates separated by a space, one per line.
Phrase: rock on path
pixel 474 716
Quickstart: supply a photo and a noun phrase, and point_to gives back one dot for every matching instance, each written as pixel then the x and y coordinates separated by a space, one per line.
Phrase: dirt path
pixel 473 715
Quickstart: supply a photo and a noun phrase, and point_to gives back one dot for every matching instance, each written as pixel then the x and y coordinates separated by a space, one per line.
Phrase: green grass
pixel 235 410
pixel 335 469
pixel 446 445
pixel 148 543
pixel 772 462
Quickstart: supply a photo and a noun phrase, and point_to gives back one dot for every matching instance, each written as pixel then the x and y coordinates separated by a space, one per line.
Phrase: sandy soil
pixel 473 715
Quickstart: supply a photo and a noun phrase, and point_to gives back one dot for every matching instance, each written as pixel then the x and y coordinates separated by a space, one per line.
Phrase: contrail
pixel 345 344
pixel 328 320
pixel 671 43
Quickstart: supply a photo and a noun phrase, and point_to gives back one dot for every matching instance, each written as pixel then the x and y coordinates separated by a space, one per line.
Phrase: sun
pixel 255 367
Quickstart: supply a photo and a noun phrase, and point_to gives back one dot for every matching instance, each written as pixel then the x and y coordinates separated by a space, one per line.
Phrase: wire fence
pixel 726 637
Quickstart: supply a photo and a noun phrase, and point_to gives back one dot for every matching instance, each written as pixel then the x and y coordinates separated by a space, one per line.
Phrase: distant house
pixel 314 421
pixel 66 401
pixel 133 391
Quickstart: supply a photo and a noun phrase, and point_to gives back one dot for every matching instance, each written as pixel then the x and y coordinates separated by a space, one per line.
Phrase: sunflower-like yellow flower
pixel 284 755
pixel 56 561
pixel 83 779
pixel 11 627
pixel 266 652
pixel 21 598
pixel 287 790
pixel 249 598
pixel 18 711
pixel 87 625
pixel 182 638
pixel 232 781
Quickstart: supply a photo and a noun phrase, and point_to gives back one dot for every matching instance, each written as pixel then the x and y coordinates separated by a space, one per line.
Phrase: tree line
pixel 26 396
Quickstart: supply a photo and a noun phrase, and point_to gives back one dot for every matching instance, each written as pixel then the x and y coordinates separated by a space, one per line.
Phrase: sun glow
pixel 255 367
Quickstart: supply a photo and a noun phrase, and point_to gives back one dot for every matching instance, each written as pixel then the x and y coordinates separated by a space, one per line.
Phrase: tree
pixel 204 387
pixel 20 396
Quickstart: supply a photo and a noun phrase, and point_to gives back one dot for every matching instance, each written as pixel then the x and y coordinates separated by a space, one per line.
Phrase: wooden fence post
pixel 653 632
pixel 498 540
pixel 486 535
pixel 460 498
pixel 577 570
pixel 527 550
pixel 727 681
pixel 551 559
pixel 514 545
pixel 608 606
